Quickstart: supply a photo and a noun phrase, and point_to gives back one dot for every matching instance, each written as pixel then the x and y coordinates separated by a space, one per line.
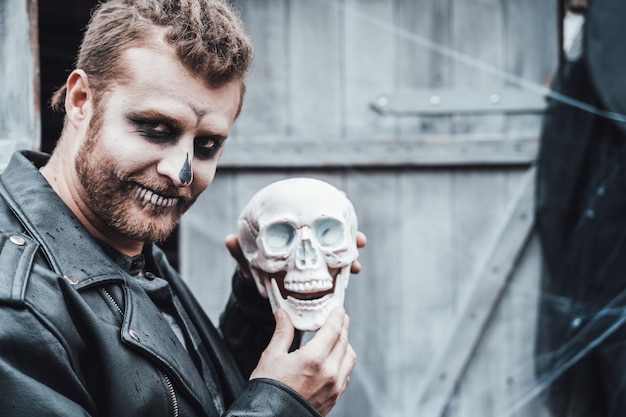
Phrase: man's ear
pixel 78 97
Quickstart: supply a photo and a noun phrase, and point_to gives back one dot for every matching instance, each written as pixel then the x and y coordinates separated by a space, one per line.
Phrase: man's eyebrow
pixel 152 114
pixel 216 137
pixel 157 114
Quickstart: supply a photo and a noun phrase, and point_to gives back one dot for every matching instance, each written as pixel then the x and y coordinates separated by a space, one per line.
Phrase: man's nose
pixel 177 166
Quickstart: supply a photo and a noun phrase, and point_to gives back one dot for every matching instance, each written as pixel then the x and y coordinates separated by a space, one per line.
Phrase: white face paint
pixel 299 236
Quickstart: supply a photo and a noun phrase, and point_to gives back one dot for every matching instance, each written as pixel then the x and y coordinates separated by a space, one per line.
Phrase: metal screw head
pixel 71 279
pixel 134 335
pixel 495 98
pixel 382 102
pixel 435 100
pixel 17 240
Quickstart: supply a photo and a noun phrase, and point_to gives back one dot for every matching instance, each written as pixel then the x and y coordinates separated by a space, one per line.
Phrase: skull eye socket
pixel 279 236
pixel 328 232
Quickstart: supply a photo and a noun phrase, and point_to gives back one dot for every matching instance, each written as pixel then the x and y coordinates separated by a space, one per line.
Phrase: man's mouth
pixel 148 196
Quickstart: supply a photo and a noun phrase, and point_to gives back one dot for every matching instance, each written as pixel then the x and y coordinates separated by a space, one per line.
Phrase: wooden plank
pixel 426 286
pixel 335 152
pixel 529 23
pixel 368 65
pixel 489 282
pixel 480 197
pixel 19 82
pixel 516 323
pixel 371 298
pixel 421 28
pixel 266 107
pixel 315 77
pixel 486 385
pixel 477 29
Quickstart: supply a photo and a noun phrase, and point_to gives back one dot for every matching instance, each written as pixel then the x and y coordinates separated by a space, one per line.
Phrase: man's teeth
pixel 309 286
pixel 149 196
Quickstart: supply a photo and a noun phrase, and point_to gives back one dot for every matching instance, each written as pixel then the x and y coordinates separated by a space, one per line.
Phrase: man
pixel 94 321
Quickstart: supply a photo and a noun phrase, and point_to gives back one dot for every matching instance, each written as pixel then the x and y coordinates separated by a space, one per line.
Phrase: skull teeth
pixel 308 305
pixel 309 286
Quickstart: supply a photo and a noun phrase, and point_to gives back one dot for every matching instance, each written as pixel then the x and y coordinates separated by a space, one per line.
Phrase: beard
pixel 134 205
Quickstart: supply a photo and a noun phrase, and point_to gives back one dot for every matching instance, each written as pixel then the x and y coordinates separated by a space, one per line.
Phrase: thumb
pixel 283 333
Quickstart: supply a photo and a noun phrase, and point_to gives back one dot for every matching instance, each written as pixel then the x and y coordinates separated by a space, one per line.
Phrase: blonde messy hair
pixel 207 36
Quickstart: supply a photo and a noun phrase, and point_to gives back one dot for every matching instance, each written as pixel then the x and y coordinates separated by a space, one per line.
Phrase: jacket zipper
pixel 170 387
pixel 110 297
pixel 168 382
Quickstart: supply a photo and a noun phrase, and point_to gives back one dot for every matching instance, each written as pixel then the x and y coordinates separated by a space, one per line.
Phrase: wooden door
pixel 427 113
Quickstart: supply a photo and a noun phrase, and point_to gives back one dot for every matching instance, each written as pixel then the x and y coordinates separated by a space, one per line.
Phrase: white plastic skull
pixel 299 236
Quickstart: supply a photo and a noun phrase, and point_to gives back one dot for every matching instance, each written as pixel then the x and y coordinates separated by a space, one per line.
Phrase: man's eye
pixel 156 128
pixel 206 147
pixel 159 127
pixel 153 129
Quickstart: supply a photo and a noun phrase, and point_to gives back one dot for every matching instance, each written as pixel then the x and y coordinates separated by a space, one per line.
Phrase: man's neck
pixel 57 173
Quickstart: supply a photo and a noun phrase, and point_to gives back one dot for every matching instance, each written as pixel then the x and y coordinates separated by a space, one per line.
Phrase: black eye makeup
pixel 159 128
pixel 154 128
pixel 205 147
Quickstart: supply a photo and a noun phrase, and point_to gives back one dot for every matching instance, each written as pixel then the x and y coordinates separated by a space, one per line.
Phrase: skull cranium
pixel 299 236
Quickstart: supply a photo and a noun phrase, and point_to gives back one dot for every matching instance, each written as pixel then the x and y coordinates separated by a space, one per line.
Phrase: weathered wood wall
pixel 19 78
pixel 443 312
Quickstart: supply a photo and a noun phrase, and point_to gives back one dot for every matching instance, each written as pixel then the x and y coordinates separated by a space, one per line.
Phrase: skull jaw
pixel 308 315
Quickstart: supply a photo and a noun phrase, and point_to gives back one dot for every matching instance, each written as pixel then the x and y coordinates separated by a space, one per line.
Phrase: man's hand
pixel 319 370
pixel 361 241
pixel 232 244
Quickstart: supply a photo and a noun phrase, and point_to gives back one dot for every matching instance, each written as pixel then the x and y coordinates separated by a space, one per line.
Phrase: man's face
pixel 152 146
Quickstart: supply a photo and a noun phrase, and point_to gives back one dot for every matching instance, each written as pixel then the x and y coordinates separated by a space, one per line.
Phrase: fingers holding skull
pixel 361 241
pixel 320 370
pixel 232 244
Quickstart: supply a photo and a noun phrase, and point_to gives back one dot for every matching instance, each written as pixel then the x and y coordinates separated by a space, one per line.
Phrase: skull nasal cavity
pixel 307 255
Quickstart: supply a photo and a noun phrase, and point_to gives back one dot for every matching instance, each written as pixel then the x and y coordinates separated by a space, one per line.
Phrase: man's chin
pixel 148 227
pixel 152 234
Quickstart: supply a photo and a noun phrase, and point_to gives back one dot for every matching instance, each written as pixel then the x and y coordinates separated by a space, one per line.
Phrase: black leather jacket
pixel 79 337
